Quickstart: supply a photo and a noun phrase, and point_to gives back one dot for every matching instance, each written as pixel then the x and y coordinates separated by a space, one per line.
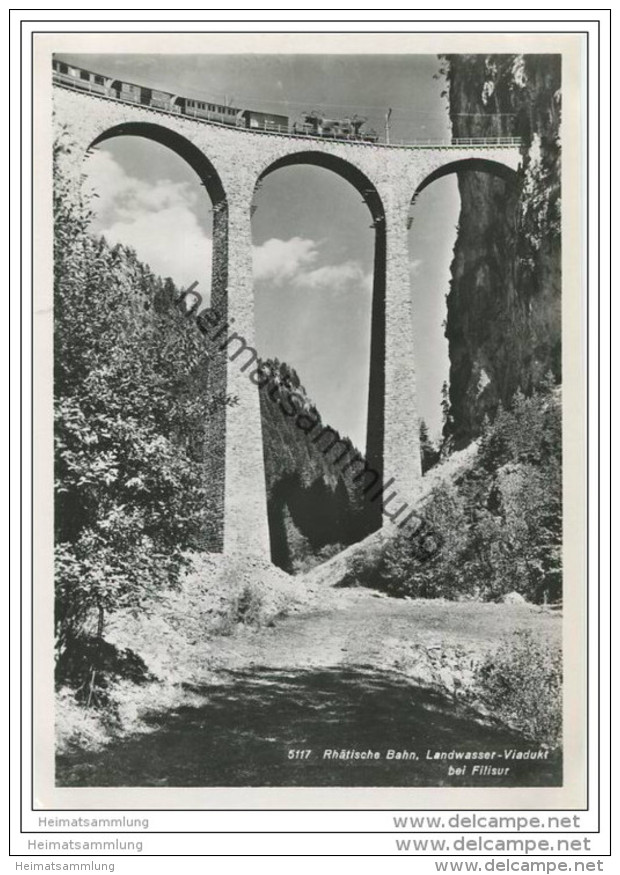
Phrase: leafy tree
pixel 521 683
pixel 426 562
pixel 499 528
pixel 130 403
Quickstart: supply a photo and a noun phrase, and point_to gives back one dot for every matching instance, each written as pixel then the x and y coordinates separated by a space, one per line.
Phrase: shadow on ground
pixel 244 735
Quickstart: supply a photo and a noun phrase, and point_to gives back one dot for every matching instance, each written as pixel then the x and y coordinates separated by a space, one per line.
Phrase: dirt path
pixel 277 701
pixel 361 628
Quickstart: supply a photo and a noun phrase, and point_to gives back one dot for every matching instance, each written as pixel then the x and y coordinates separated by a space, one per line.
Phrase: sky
pixel 312 241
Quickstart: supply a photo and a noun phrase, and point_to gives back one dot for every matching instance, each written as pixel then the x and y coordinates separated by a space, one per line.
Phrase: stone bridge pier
pixel 246 529
pixel 230 162
pixel 401 427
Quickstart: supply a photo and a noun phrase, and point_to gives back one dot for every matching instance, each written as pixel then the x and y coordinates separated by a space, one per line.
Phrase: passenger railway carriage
pixel 312 124
pixel 74 77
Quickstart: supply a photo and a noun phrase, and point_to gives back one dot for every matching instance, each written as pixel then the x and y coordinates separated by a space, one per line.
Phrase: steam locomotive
pixel 311 124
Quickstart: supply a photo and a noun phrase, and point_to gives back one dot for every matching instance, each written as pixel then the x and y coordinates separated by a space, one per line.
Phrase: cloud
pixel 171 242
pixel 333 275
pixel 281 260
pixel 127 195
pixel 158 219
pixel 414 265
pixel 106 178
pixel 294 262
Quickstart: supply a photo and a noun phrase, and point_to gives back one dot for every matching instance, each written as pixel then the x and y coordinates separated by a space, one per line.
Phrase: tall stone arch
pixel 467 320
pixel 463 165
pixel 347 170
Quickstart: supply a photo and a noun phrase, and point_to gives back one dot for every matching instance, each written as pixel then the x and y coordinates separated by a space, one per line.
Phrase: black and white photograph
pixel 305 327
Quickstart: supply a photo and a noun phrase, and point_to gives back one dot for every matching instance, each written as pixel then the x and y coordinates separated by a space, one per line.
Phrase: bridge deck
pixel 452 145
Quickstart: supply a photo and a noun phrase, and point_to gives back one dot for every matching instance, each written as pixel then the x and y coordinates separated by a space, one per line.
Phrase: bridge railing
pixel 281 130
pixel 458 141
pixel 486 141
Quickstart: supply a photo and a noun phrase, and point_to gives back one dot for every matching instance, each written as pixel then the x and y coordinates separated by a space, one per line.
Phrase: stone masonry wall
pixel 231 162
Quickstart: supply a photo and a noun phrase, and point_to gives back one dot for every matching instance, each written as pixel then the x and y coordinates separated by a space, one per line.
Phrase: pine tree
pixel 445 405
pixel 428 451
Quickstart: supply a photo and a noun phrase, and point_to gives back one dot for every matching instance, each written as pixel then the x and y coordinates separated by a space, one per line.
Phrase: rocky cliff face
pixel 504 308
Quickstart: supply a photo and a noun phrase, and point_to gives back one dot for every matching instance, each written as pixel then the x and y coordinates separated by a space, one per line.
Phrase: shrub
pixel 427 562
pixel 362 570
pixel 130 708
pixel 106 664
pixel 76 726
pixel 521 683
pixel 499 528
pixel 248 607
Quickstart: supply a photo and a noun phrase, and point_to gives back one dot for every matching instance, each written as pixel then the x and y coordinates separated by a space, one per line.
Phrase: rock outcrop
pixel 504 305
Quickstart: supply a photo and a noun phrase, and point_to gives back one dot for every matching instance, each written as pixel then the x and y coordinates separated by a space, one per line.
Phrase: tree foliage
pixel 314 507
pixel 500 526
pixel 130 403
pixel 521 684
pixel 429 451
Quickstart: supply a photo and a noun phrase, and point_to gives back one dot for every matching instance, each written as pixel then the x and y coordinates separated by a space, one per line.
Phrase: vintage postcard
pixel 310 421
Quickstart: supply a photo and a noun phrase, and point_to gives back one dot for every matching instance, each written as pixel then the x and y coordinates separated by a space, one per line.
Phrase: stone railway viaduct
pixel 230 163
